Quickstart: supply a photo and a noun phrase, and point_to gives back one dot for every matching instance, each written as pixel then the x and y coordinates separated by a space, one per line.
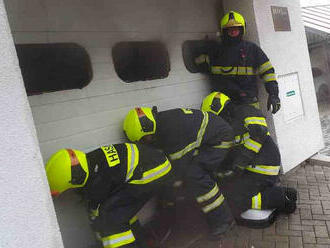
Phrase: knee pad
pixel 255 218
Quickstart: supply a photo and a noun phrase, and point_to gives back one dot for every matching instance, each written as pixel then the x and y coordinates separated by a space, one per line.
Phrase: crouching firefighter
pixel 117 180
pixel 255 161
pixel 196 142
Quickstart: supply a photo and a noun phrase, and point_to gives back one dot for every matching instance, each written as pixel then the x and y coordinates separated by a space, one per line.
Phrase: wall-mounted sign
pixel 281 18
pixel 289 87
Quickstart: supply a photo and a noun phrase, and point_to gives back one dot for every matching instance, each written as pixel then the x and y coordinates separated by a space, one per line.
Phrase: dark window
pixel 53 67
pixel 140 60
pixel 192 49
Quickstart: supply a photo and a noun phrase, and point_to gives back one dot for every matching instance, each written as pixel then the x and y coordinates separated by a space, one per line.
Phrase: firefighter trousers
pixel 205 189
pixel 117 223
pixel 254 191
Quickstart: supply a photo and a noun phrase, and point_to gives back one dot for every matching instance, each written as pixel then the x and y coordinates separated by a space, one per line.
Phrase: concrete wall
pixel 27 217
pixel 85 119
pixel 301 137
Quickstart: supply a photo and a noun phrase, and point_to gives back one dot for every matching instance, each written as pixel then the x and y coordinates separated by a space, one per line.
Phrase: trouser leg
pixel 115 215
pixel 243 191
pixel 209 197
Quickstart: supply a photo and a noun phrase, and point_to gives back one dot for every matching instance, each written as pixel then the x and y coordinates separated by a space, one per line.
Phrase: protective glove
pixel 275 102
pixel 224 175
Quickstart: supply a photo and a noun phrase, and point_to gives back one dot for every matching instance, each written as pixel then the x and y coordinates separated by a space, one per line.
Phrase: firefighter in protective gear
pixel 195 142
pixel 254 157
pixel 234 64
pixel 117 180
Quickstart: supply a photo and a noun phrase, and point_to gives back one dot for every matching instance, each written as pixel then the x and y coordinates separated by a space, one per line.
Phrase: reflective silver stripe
pixel 195 144
pixel 208 195
pixel 117 240
pixel 269 77
pixel 245 71
pixel 154 173
pixel 264 169
pixel 252 145
pixel 230 70
pixel 214 204
pixel 265 67
pixel 132 159
pixel 224 145
pixel 255 120
pixel 245 137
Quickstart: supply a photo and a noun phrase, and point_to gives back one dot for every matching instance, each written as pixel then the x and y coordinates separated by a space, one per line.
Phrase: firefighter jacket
pixel 253 141
pixel 234 69
pixel 180 132
pixel 113 166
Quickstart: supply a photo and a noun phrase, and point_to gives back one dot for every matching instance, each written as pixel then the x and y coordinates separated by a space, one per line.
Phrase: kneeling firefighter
pixel 117 180
pixel 254 159
pixel 196 142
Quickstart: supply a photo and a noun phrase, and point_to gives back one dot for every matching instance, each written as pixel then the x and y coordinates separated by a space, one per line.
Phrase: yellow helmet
pixel 139 122
pixel 232 19
pixel 215 102
pixel 65 169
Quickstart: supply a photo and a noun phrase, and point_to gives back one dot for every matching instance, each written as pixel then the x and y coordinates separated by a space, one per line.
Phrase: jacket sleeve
pixel 266 71
pixel 256 125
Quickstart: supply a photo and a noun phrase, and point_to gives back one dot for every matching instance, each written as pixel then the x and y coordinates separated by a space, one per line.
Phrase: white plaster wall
pixel 87 118
pixel 27 217
pixel 288 52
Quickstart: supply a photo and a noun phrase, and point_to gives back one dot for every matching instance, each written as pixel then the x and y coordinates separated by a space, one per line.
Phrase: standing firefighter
pixel 196 142
pixel 234 65
pixel 255 158
pixel 117 181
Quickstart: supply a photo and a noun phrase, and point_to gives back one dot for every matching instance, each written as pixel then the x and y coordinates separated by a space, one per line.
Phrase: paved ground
pixel 324 110
pixel 308 227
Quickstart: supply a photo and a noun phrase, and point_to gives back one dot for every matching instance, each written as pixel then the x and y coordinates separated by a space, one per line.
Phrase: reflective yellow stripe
pixel 252 145
pixel 133 220
pixel 214 204
pixel 195 144
pixel 245 70
pixel 244 138
pixel 230 70
pixel 208 195
pixel 224 145
pixel 111 155
pixel 256 201
pixel 203 58
pixel 265 67
pixel 269 77
pixel 118 240
pixel 264 169
pixel 255 120
pixel 132 159
pixel 154 173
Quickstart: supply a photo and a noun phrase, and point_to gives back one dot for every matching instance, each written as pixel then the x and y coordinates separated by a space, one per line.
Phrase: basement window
pixel 53 67
pixel 140 60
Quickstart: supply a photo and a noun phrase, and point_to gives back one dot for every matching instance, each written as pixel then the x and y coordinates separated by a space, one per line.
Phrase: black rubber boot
pixel 220 221
pixel 290 200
